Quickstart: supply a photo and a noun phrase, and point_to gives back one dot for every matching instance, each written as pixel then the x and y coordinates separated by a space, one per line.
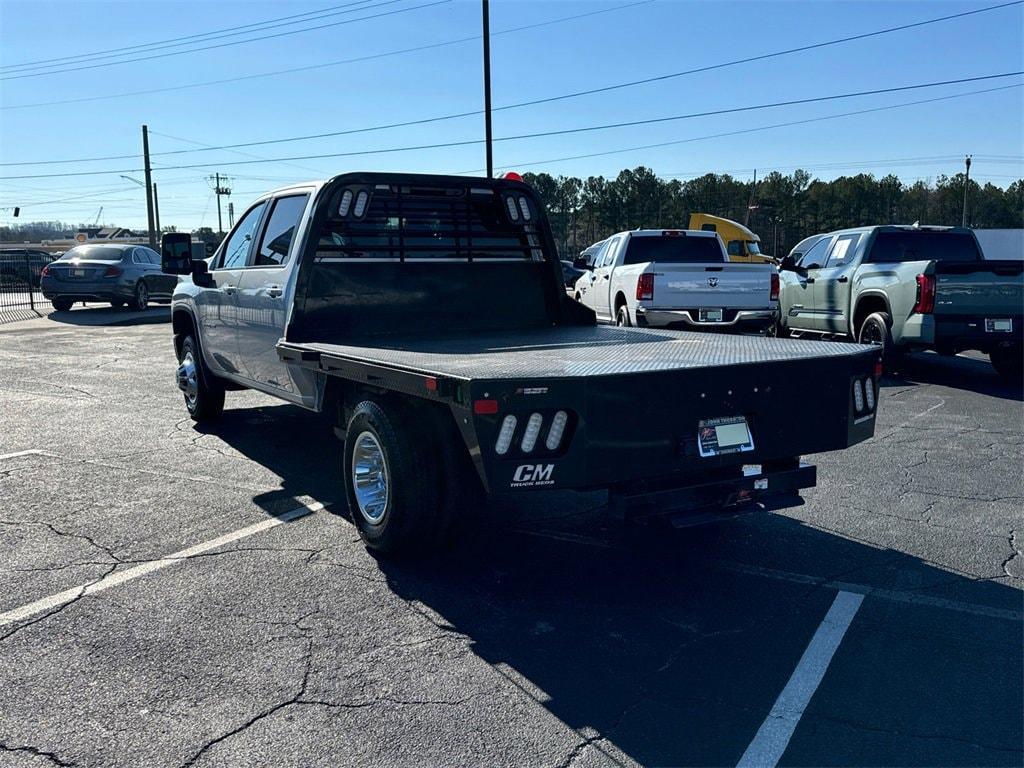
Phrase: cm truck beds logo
pixel 527 475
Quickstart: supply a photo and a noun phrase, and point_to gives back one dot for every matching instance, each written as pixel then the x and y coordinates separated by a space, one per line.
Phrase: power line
pixel 540 134
pixel 743 131
pixel 339 62
pixel 156 44
pixel 237 42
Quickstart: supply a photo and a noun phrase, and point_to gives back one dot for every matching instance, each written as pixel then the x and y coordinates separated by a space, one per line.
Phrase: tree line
pixel 781 208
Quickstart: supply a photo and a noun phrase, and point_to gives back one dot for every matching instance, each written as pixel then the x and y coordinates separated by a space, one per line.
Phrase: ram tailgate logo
pixel 532 474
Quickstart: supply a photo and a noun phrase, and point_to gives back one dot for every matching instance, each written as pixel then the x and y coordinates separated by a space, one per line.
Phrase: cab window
pixel 235 253
pixel 280 231
pixel 815 257
pixel 842 251
pixel 735 248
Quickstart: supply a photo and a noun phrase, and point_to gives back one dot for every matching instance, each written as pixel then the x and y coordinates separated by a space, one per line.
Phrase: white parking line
pixel 29 452
pixel 775 732
pixel 120 577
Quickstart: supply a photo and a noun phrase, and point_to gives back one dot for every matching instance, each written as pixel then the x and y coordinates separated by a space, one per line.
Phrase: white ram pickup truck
pixel 676 278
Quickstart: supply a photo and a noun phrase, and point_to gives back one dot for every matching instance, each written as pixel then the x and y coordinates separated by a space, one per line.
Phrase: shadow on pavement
pixel 107 315
pixel 670 647
pixel 974 374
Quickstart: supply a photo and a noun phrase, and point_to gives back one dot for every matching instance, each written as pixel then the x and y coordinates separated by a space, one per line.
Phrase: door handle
pixel 275 291
pixel 229 288
pixel 809 280
pixel 843 279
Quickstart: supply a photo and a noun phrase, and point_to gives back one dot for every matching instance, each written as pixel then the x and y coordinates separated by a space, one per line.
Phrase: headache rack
pixel 405 222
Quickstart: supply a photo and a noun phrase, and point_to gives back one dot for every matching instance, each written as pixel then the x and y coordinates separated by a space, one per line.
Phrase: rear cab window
pixel 681 249
pixel 923 245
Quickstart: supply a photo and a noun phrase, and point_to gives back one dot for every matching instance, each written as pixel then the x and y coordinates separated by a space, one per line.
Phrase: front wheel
pixel 876 331
pixel 1008 363
pixel 141 298
pixel 204 396
pixel 622 317
pixel 391 480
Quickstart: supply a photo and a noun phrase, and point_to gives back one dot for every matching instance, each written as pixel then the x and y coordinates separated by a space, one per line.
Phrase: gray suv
pixel 118 273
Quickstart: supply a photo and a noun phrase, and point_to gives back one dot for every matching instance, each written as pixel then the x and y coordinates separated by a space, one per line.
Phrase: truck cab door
pixel 263 294
pixel 832 285
pixel 217 304
pixel 602 286
pixel 800 289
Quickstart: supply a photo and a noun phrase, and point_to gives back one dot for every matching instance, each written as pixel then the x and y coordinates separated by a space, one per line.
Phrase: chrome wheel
pixel 370 478
pixel 141 296
pixel 188 379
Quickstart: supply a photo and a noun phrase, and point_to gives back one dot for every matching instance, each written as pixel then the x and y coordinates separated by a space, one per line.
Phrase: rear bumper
pixel 84 291
pixel 745 319
pixel 970 332
pixel 755 483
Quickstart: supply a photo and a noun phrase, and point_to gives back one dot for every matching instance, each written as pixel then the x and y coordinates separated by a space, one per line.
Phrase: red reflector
pixel 512 176
pixel 878 369
pixel 485 407
pixel 645 287
pixel 774 294
pixel 431 383
pixel 925 303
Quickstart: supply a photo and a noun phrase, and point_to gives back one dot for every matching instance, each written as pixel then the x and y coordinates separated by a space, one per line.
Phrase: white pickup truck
pixel 677 278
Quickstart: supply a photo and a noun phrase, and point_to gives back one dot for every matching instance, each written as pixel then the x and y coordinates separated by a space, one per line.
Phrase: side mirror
pixel 580 262
pixel 788 264
pixel 176 253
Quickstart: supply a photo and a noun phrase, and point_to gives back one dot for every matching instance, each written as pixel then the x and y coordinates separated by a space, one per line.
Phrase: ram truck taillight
pixel 773 294
pixel 113 271
pixel 645 287
pixel 925 302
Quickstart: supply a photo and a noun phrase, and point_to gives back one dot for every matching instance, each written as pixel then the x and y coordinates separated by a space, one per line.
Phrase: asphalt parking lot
pixel 171 596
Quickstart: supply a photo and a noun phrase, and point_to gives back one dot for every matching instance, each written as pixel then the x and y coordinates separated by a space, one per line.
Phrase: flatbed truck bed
pixel 425 317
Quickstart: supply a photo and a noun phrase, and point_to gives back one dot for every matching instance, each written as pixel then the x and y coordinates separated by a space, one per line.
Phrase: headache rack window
pixel 402 223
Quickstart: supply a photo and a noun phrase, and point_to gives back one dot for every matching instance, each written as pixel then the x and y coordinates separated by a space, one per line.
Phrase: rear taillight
pixel 774 293
pixel 45 271
pixel 113 272
pixel 925 302
pixel 645 287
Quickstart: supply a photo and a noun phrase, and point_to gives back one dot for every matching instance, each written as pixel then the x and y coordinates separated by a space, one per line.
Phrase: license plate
pixel 993 325
pixel 709 315
pixel 78 273
pixel 718 437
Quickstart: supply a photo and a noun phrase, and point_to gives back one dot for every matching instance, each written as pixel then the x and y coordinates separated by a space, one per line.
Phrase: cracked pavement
pixel 556 636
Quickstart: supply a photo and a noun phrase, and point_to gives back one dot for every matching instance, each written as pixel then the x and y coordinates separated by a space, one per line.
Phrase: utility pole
pixel 219 189
pixel 149 186
pixel 487 86
pixel 750 203
pixel 967 184
pixel 156 209
pixel 776 220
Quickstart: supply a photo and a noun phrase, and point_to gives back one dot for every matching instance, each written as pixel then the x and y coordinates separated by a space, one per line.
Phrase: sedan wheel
pixel 141 300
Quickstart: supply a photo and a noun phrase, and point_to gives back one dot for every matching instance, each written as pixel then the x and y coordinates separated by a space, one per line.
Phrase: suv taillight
pixel 45 271
pixel 773 295
pixel 645 287
pixel 925 302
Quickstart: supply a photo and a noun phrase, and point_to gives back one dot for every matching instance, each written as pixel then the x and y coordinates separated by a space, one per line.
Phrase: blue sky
pixel 632 42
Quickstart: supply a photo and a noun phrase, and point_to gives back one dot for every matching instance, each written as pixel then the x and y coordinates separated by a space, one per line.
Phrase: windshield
pixel 753 248
pixel 673 250
pixel 94 253
pixel 910 245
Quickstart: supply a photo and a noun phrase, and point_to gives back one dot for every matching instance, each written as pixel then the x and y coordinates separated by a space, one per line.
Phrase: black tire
pixel 204 397
pixel 1009 364
pixel 407 518
pixel 62 305
pixel 877 330
pixel 622 317
pixel 117 304
pixel 777 330
pixel 140 300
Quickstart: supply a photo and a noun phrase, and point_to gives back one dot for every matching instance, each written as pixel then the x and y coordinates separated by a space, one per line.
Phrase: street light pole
pixel 487 86
pixel 967 184
pixel 149 185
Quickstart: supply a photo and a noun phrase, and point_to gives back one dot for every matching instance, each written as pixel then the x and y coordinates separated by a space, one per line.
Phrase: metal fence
pixel 20 296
